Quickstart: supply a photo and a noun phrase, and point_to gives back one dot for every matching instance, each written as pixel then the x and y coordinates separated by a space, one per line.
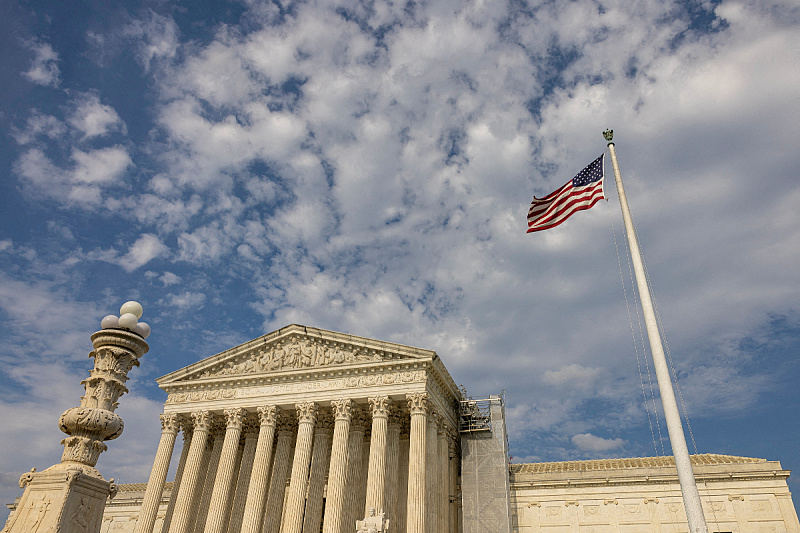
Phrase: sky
pixel 366 167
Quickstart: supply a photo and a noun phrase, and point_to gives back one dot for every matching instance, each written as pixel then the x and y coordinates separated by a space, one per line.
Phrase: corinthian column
pixel 181 517
pixel 204 490
pixel 418 407
pixel 442 507
pixel 257 490
pixel 392 468
pixel 243 479
pixel 277 484
pixel 227 462
pixel 376 478
pixel 295 500
pixel 337 474
pixel 355 453
pixel 320 457
pixel 432 474
pixel 186 427
pixel 158 475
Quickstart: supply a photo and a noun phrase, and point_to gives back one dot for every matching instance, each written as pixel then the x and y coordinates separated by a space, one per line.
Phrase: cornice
pixel 385 351
pixel 649 480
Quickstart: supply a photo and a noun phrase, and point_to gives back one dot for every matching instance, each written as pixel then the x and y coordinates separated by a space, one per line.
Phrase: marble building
pixel 306 431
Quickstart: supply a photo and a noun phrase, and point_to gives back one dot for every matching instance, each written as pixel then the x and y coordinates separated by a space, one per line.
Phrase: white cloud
pixel 185 301
pixel 93 118
pixel 44 66
pixel 155 37
pixel 168 278
pixel 82 183
pixel 146 248
pixel 39 124
pixel 592 443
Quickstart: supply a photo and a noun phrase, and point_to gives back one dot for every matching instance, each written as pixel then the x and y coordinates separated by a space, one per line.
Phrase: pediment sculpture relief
pixel 292 353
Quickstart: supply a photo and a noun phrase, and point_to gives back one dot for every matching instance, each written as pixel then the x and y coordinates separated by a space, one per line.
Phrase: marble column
pixel 260 475
pixel 402 485
pixel 201 513
pixel 158 475
pixel 186 427
pixel 355 452
pixel 337 473
pixel 295 500
pixel 217 511
pixel 234 484
pixel 243 479
pixel 455 461
pixel 376 477
pixel 320 460
pixel 392 468
pixel 280 468
pixel 432 474
pixel 181 517
pixel 415 515
pixel 443 485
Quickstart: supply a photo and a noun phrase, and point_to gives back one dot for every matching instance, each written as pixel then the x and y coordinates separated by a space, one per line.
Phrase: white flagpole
pixel 691 497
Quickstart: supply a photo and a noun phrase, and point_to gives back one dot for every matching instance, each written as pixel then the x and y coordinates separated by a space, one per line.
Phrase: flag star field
pixel 367 167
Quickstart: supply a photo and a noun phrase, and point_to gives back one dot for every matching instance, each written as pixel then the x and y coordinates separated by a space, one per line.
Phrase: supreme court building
pixel 306 431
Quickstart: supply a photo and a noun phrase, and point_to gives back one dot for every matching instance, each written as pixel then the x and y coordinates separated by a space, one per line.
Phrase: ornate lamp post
pixel 70 497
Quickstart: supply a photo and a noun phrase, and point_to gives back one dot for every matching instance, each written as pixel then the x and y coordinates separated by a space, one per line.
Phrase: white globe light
pixel 110 321
pixel 142 328
pixel 132 307
pixel 127 321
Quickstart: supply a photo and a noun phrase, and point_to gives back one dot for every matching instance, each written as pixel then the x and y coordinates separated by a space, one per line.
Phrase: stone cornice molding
pixel 244 386
pixel 326 346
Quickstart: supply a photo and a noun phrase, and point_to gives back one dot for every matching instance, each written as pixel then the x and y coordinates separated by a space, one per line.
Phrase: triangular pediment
pixel 292 349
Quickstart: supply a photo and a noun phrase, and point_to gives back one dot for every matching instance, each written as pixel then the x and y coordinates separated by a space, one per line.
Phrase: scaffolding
pixel 485 487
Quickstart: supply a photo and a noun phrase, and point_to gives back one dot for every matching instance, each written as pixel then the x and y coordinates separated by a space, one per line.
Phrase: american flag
pixel 579 193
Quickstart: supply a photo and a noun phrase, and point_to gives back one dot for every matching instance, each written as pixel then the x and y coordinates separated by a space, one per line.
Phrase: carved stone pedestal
pixel 70 497
pixel 62 501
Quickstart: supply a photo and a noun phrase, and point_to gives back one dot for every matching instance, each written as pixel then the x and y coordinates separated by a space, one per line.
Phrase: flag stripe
pixel 578 194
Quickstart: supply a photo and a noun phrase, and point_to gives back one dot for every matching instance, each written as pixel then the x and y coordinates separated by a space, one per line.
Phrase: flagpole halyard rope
pixel 691 497
pixel 636 344
pixel 667 351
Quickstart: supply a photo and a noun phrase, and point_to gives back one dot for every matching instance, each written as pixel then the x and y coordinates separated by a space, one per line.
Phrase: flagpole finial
pixel 609 135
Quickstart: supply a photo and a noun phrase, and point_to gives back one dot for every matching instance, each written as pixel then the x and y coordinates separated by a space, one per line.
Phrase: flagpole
pixel 691 497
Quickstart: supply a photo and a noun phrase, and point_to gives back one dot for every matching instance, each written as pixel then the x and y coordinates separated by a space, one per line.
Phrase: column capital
pixel 381 405
pixel 418 403
pixel 234 418
pixel 306 412
pixel 268 415
pixel 343 409
pixel 203 421
pixel 170 423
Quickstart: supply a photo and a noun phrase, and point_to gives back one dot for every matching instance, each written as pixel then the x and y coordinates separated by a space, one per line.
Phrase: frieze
pixel 371 380
pixel 291 354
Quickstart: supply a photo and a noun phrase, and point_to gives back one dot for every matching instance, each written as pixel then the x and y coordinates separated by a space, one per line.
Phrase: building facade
pixel 305 430
pixel 310 431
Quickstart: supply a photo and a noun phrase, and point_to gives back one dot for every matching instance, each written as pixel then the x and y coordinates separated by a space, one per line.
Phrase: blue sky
pixel 366 167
